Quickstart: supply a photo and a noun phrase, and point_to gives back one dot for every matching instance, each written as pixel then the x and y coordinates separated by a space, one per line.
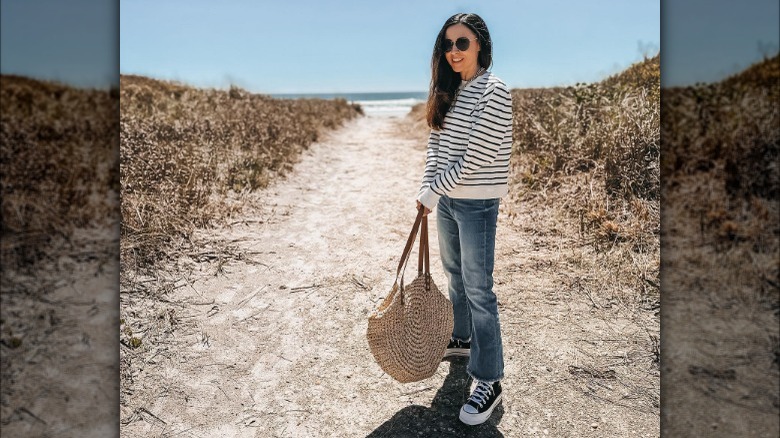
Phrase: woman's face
pixel 463 62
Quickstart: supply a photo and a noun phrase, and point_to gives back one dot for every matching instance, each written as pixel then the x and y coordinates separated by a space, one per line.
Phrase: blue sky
pixel 303 46
pixel 300 46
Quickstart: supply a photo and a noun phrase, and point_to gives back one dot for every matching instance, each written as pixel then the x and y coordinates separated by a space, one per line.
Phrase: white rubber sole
pixel 475 419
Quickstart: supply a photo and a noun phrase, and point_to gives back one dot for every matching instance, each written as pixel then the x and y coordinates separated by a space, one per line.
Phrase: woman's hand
pixel 427 210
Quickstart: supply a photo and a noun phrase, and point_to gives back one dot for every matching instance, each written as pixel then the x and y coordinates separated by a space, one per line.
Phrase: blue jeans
pixel 467 242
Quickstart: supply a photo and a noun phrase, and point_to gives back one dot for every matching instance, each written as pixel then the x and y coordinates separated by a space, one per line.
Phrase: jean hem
pixel 475 377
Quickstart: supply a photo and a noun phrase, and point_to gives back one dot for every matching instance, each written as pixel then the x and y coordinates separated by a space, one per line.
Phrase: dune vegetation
pixel 188 154
pixel 601 142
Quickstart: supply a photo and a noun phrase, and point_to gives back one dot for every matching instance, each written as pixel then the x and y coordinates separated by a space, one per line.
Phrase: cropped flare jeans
pixel 467 241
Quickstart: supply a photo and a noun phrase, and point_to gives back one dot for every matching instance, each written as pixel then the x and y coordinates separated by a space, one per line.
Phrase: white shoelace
pixel 481 393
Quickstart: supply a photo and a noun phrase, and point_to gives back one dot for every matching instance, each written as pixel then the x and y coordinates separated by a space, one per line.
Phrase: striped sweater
pixel 469 156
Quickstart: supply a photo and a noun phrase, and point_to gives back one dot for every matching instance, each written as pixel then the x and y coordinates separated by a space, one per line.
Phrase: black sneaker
pixel 480 405
pixel 457 348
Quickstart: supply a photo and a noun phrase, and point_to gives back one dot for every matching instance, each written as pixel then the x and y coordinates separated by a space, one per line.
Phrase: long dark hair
pixel 444 80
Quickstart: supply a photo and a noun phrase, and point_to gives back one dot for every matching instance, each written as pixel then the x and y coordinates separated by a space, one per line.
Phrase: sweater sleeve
pixel 485 139
pixel 431 161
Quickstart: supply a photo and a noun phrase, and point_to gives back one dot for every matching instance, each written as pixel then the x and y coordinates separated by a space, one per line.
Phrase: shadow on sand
pixel 441 419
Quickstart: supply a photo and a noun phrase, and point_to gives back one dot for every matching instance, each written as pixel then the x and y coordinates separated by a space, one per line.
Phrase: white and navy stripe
pixel 469 156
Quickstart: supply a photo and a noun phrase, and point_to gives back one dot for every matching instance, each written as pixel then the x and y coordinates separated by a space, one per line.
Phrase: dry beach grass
pixel 188 155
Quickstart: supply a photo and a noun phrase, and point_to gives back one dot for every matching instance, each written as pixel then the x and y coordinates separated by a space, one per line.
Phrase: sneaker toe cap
pixel 467 408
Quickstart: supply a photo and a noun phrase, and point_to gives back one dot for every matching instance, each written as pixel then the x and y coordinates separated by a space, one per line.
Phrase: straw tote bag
pixel 410 330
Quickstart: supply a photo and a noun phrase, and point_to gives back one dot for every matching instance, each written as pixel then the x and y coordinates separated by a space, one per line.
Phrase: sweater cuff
pixel 429 198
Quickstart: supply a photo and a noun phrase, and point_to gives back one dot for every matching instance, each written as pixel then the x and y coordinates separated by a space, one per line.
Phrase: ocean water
pixel 373 104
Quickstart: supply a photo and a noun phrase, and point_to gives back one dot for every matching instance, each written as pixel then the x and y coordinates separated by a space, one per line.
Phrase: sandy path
pixel 281 351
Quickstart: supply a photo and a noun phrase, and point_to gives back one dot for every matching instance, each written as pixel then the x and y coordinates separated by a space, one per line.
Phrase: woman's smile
pixel 457 62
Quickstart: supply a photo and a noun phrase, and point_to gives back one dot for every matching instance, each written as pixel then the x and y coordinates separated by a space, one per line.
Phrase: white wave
pixel 389 102
pixel 388 106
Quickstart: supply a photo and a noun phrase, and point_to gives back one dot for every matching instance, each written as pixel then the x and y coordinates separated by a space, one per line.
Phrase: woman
pixel 470 114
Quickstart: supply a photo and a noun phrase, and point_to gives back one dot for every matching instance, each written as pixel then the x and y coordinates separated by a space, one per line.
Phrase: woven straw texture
pixel 409 331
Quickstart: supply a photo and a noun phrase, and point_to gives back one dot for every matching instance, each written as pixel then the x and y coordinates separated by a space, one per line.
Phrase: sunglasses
pixel 461 43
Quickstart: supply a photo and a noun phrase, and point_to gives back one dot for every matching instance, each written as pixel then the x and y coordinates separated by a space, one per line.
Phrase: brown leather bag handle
pixel 408 248
pixel 423 259
pixel 424 249
pixel 427 248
